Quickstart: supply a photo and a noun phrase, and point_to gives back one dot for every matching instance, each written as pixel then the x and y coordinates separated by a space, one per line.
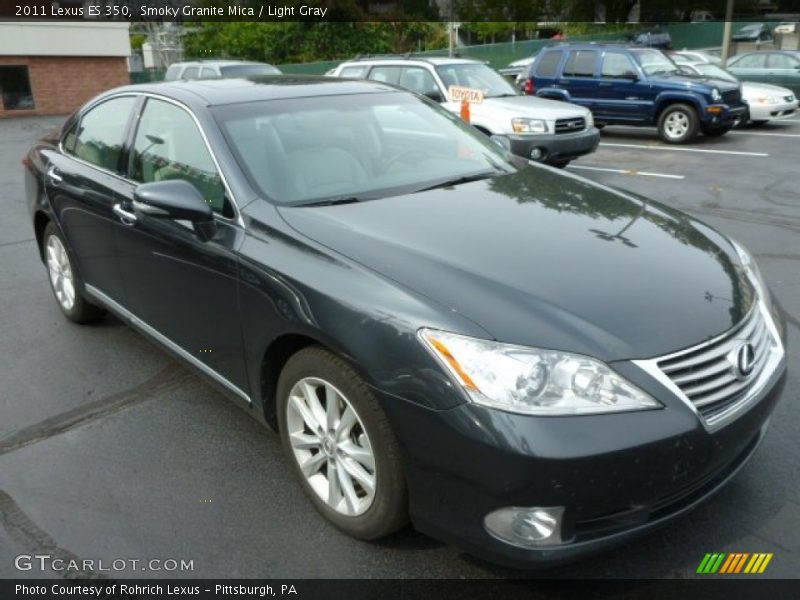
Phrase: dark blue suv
pixel 623 85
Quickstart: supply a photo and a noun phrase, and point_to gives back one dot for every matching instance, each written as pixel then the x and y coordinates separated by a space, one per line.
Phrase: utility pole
pixel 450 28
pixel 726 33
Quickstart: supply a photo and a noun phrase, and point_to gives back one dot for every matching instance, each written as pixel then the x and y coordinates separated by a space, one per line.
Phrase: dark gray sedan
pixel 515 359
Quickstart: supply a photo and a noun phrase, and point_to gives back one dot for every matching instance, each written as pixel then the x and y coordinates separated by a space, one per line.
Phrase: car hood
pixel 697 80
pixel 752 90
pixel 525 106
pixel 543 259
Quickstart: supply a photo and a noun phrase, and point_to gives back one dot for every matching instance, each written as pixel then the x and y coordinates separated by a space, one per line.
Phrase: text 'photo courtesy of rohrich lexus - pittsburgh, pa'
pixel 432 325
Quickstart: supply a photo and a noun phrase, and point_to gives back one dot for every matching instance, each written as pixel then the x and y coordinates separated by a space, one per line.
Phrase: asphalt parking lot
pixel 109 449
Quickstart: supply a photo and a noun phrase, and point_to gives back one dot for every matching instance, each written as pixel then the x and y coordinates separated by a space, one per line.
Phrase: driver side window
pixel 170 146
pixel 419 80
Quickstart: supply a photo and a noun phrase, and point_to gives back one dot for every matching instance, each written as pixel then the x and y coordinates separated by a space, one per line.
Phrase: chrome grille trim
pixel 571 125
pixel 702 377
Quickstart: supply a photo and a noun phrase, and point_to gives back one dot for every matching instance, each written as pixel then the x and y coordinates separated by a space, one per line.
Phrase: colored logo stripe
pixel 734 562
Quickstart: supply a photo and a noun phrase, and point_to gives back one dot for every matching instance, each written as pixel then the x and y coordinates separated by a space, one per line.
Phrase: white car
pixel 543 130
pixel 767 102
pixel 786 27
pixel 694 56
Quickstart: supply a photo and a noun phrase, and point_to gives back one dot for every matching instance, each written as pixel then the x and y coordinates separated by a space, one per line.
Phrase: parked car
pixel 695 56
pixel 218 69
pixel 437 329
pixel 622 85
pixel 542 130
pixel 753 32
pixel 517 71
pixel 786 27
pixel 770 66
pixel 765 102
pixel 661 40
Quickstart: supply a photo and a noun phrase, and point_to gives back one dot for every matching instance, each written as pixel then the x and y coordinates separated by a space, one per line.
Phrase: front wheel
pixel 559 164
pixel 678 124
pixel 341 445
pixel 64 280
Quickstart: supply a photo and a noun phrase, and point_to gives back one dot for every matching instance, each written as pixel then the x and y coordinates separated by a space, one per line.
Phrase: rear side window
pixel 580 63
pixel 354 72
pixel 191 73
pixel 101 134
pixel 385 74
pixel 782 61
pixel 207 73
pixel 548 64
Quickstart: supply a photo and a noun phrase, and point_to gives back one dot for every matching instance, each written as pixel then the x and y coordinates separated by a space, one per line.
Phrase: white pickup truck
pixel 543 130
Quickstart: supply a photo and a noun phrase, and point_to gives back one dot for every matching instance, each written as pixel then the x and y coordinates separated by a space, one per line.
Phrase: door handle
pixel 127 217
pixel 52 173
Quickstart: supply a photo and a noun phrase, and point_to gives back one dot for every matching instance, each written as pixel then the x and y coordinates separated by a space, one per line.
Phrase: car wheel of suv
pixel 559 164
pixel 718 131
pixel 678 124
pixel 64 281
pixel 341 445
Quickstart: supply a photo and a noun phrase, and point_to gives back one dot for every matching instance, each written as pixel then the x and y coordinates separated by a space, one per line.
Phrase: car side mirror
pixel 178 200
pixel 434 95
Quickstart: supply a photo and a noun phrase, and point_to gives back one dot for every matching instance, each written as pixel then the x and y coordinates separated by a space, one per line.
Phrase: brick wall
pixel 60 84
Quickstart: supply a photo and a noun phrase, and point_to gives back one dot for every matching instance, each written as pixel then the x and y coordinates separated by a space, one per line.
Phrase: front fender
pixel 672 97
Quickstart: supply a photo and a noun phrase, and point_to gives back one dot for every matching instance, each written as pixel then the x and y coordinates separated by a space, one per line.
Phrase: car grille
pixel 570 125
pixel 732 97
pixel 706 374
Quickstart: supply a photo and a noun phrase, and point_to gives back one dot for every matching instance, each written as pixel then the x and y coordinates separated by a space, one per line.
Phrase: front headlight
pixel 533 381
pixel 768 100
pixel 715 95
pixel 589 120
pixel 752 271
pixel 520 125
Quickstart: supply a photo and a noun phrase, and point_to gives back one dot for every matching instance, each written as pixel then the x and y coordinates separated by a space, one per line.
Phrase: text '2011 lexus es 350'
pixel 439 331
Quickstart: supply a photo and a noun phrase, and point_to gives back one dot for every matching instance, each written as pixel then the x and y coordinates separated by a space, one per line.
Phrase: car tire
pixel 65 283
pixel 758 123
pixel 559 164
pixel 678 124
pixel 717 131
pixel 308 382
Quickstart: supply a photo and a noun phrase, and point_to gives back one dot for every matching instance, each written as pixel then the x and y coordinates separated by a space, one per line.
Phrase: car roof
pixel 216 63
pixel 216 92
pixel 432 60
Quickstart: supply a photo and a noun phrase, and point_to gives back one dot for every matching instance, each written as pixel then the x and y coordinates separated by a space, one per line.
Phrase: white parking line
pixel 764 133
pixel 626 172
pixel 674 149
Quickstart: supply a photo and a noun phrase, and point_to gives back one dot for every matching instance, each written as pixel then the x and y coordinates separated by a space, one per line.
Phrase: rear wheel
pixel 64 280
pixel 678 124
pixel 341 445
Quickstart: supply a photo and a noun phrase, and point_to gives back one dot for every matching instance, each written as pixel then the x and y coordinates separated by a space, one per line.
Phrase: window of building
pixel 15 87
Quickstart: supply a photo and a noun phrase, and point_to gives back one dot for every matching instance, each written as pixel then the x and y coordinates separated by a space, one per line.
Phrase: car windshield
pixel 478 76
pixel 655 62
pixel 349 148
pixel 248 70
pixel 715 72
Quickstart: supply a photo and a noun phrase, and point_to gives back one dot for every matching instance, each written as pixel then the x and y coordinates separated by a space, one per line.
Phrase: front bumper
pixel 723 115
pixel 768 112
pixel 617 475
pixel 556 147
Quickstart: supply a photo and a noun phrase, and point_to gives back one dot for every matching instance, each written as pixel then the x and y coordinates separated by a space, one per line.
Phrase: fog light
pixel 537 153
pixel 526 527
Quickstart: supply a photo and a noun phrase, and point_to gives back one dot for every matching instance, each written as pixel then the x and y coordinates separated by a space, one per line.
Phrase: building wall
pixel 60 84
pixel 82 38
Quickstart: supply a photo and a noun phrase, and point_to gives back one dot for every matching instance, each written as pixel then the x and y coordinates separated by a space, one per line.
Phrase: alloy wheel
pixel 331 446
pixel 676 125
pixel 60 270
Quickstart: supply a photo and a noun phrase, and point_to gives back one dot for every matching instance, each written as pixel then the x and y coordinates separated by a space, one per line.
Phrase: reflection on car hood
pixel 721 84
pixel 543 259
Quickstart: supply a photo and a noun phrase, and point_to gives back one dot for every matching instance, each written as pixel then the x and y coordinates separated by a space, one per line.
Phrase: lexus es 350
pixel 517 360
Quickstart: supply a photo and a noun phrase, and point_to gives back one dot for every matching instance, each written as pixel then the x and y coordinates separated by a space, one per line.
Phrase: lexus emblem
pixel 742 359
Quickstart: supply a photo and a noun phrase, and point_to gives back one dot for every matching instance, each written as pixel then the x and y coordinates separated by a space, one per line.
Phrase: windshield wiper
pixel 459 180
pixel 332 201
